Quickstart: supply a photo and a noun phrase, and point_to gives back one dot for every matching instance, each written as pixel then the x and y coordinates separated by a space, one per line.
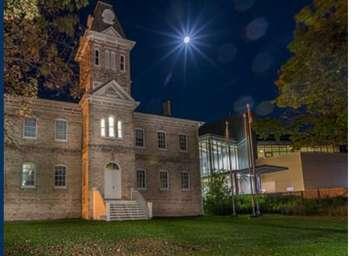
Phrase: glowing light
pixel 187 40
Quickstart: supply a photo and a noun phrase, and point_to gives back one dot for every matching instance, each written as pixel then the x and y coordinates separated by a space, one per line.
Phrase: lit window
pixel 185 181
pixel 139 137
pixel 161 140
pixel 103 127
pixel 61 130
pixel 107 59
pixel 28 175
pixel 119 129
pixel 164 180
pixel 183 142
pixel 30 128
pixel 97 57
pixel 122 63
pixel 141 179
pixel 113 60
pixel 60 176
pixel 111 127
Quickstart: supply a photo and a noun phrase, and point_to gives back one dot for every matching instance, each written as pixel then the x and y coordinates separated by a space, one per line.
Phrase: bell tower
pixel 107 112
pixel 104 51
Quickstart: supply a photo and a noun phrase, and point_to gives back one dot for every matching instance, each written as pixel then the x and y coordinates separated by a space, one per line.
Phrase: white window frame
pixel 111 127
pixel 123 61
pixel 35 176
pixel 23 129
pixel 66 130
pixel 145 180
pixel 135 137
pixel 97 50
pixel 119 127
pixel 65 177
pixel 189 181
pixel 187 142
pixel 165 138
pixel 167 180
pixel 103 127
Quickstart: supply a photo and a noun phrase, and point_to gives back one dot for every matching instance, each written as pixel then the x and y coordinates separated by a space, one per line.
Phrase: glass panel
pixel 103 128
pixel 111 127
pixel 141 180
pixel 28 175
pixel 119 129
pixel 164 180
pixel 59 176
pixel 30 128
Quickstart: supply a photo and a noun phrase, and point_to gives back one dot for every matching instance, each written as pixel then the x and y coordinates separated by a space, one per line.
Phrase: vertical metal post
pixel 230 168
pixel 250 121
pixel 249 164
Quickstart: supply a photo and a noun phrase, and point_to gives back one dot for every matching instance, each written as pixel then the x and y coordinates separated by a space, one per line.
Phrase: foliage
pixel 315 77
pixel 39 38
pixel 268 235
pixel 268 127
pixel 295 205
pixel 218 197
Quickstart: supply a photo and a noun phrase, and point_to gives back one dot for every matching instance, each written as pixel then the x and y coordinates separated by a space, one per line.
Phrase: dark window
pixel 141 179
pixel 122 63
pixel 139 137
pixel 164 180
pixel 185 181
pixel 60 176
pixel 183 142
pixel 97 57
pixel 161 140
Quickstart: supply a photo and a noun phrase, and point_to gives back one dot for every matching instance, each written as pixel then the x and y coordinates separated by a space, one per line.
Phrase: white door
pixel 112 182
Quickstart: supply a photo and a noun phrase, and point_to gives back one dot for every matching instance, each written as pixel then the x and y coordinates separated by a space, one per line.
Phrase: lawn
pixel 267 235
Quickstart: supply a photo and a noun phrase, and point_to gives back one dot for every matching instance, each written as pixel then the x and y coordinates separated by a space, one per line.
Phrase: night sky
pixel 241 46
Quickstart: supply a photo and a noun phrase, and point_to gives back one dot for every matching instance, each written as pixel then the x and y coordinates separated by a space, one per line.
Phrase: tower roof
pixel 103 17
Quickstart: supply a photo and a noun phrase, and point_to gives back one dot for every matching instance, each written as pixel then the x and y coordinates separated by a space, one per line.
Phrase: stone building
pixel 100 159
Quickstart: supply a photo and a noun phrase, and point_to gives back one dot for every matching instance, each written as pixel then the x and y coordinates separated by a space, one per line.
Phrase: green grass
pixel 267 235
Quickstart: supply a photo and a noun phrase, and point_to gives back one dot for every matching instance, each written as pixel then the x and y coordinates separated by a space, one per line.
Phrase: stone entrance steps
pixel 125 210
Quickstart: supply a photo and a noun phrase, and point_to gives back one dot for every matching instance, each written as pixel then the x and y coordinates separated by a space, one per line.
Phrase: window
pixel 30 128
pixel 122 63
pixel 111 127
pixel 28 175
pixel 141 179
pixel 113 60
pixel 119 129
pixel 161 140
pixel 103 127
pixel 107 59
pixel 139 137
pixel 185 181
pixel 164 180
pixel 97 57
pixel 183 142
pixel 61 130
pixel 60 176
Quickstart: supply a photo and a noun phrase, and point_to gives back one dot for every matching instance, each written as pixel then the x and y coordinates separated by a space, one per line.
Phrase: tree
pixel 39 43
pixel 315 77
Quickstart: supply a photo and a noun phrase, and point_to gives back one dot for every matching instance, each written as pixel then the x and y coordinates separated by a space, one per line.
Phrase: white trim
pixel 135 137
pixel 187 142
pixel 35 176
pixel 168 181
pixel 145 180
pixel 165 138
pixel 66 130
pixel 66 172
pixel 189 181
pixel 23 128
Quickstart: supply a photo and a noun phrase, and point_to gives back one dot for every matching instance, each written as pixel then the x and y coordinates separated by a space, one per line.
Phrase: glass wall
pixel 218 155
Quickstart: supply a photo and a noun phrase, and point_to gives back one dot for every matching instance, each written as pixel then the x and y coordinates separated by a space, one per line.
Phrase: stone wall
pixel 175 201
pixel 44 201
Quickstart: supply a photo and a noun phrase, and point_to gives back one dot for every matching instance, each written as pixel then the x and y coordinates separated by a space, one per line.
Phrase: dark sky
pixel 243 44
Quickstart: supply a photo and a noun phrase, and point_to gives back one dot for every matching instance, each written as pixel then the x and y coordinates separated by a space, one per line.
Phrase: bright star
pixel 187 40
